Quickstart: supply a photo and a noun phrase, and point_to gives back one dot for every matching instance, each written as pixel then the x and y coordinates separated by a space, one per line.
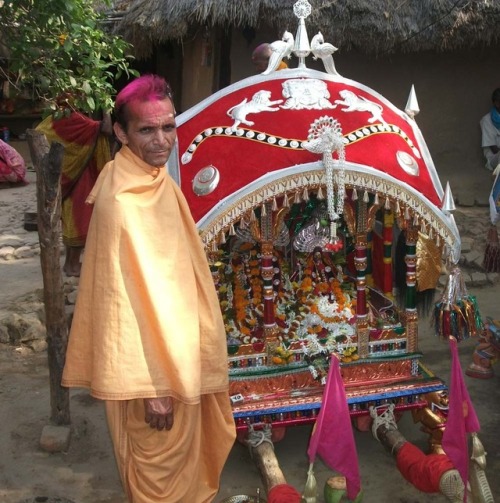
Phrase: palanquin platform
pixel 326 227
pixel 262 199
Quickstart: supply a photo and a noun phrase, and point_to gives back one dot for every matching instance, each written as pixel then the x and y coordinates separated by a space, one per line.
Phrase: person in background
pixel 86 150
pixel 260 58
pixel 147 334
pixel 490 133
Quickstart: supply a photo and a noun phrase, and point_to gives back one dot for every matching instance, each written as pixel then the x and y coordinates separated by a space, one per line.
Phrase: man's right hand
pixel 159 412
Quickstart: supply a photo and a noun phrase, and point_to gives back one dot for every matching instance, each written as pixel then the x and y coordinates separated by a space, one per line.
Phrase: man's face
pixel 150 130
pixel 260 57
pixel 260 63
pixel 496 104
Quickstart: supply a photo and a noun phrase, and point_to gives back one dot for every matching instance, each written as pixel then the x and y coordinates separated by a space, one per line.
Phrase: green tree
pixel 60 51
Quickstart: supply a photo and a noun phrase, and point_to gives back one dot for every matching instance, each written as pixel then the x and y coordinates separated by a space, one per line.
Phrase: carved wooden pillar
pixel 266 264
pixel 267 271
pixel 369 259
pixel 411 289
pixel 360 261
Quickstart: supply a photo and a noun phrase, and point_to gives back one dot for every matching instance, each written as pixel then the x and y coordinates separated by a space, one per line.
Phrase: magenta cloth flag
pixel 462 418
pixel 332 437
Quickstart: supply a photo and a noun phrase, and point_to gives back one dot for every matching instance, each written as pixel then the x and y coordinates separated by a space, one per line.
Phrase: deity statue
pixel 322 270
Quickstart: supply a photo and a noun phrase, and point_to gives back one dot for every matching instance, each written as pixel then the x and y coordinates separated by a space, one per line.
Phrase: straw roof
pixel 369 26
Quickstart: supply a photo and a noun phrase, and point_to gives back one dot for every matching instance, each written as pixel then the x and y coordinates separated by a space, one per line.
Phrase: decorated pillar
pixel 360 262
pixel 369 264
pixel 267 270
pixel 411 288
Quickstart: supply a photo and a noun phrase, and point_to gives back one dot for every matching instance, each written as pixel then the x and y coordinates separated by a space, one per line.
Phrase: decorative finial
pixel 448 202
pixel 302 9
pixel 412 105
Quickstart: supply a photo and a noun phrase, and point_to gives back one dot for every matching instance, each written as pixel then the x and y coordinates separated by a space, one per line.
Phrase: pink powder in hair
pixel 145 88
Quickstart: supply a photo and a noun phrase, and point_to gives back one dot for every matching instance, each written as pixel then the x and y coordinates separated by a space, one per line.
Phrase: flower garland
pixel 317 305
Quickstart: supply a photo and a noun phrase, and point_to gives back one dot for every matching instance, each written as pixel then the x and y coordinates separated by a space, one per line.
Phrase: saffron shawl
pixel 147 321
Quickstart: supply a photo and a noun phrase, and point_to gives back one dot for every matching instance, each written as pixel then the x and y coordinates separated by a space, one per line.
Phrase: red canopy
pixel 277 112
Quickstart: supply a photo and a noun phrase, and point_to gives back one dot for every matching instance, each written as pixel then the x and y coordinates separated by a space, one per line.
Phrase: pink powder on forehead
pixel 148 110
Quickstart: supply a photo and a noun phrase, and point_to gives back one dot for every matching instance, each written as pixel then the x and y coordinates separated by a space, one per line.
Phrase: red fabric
pixel 79 213
pixel 77 128
pixel 421 470
pixel 462 418
pixel 283 493
pixel 85 153
pixel 350 264
pixel 332 437
pixel 12 166
pixel 251 159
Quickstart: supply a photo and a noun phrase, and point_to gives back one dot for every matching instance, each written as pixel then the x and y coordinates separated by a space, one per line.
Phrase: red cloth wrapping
pixel 421 470
pixel 259 158
pixel 12 166
pixel 283 493
pixel 86 151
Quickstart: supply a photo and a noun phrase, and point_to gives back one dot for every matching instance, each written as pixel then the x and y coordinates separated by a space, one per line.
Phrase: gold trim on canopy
pixel 422 213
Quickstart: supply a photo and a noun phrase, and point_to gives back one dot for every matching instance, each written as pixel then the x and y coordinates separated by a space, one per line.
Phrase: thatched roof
pixel 369 26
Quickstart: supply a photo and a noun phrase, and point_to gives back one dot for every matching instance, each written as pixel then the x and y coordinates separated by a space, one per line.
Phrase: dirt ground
pixel 86 473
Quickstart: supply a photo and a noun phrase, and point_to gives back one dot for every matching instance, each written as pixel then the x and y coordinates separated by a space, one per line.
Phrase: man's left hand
pixel 159 412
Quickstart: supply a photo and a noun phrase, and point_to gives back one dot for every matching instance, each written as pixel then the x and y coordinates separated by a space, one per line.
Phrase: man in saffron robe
pixel 147 334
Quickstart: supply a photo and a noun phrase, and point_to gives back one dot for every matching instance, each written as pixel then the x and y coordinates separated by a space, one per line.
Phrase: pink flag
pixel 461 419
pixel 332 437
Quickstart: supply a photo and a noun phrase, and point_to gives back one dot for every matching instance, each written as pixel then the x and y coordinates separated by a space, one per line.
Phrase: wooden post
pixel 268 465
pixel 262 451
pixel 47 163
